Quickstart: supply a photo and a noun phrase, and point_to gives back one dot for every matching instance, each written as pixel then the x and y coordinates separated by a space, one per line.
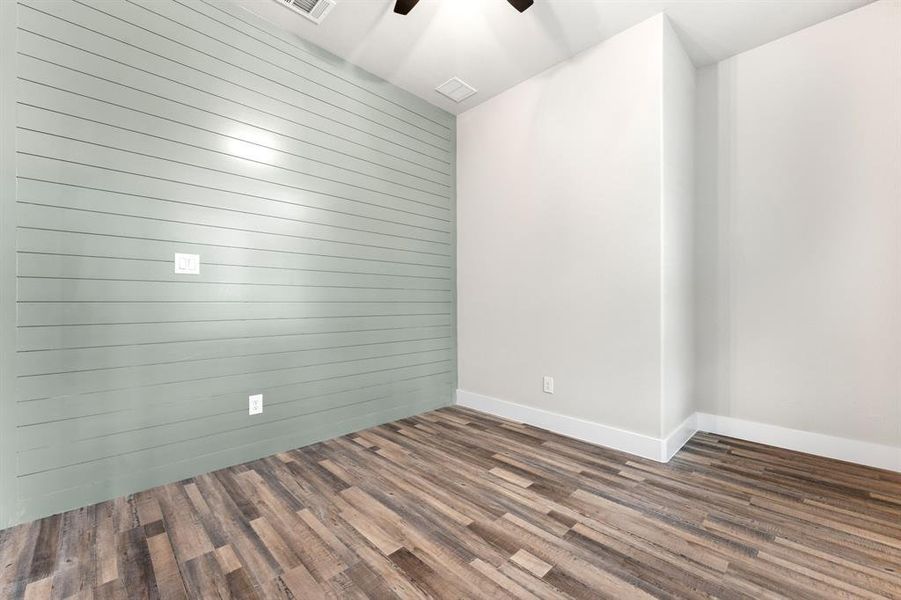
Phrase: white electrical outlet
pixel 548 385
pixel 187 264
pixel 255 404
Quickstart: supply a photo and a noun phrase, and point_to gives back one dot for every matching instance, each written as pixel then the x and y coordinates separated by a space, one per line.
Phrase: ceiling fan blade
pixel 521 5
pixel 402 7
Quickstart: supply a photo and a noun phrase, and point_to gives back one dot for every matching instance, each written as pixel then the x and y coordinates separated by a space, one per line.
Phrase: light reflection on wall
pixel 251 144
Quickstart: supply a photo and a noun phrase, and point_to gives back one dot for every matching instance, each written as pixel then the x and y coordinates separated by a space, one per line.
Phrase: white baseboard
pixel 678 438
pixel 663 449
pixel 855 451
pixel 603 435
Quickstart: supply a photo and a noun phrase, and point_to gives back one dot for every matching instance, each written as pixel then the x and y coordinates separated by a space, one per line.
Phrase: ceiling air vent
pixel 314 10
pixel 456 89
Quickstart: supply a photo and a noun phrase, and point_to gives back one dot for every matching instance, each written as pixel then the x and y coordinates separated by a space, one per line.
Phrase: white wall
pixel 567 213
pixel 559 237
pixel 677 194
pixel 580 228
pixel 799 230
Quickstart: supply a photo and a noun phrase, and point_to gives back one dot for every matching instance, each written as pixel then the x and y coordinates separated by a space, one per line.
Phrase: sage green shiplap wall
pixel 321 202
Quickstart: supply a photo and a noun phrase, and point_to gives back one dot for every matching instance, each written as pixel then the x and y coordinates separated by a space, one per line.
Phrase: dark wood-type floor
pixel 456 504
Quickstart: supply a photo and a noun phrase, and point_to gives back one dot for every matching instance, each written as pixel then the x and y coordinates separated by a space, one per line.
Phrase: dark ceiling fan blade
pixel 521 5
pixel 402 7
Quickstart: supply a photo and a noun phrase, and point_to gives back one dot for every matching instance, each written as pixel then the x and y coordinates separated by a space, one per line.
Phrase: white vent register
pixel 456 89
pixel 314 10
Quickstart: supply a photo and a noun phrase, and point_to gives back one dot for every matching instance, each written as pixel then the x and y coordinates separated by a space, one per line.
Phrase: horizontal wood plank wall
pixel 321 202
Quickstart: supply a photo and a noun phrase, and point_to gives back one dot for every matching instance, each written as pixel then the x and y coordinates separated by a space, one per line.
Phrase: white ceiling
pixel 492 47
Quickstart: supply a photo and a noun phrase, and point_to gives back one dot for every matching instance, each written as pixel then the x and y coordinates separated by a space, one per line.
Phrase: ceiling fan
pixel 403 7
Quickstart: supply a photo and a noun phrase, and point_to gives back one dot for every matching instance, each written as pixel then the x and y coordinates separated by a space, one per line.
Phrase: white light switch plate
pixel 255 404
pixel 187 264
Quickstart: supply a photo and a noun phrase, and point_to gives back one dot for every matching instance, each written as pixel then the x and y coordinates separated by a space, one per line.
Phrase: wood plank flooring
pixel 457 504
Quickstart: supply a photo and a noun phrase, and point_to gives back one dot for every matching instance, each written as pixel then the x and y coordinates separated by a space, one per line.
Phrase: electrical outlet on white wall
pixel 255 404
pixel 548 385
